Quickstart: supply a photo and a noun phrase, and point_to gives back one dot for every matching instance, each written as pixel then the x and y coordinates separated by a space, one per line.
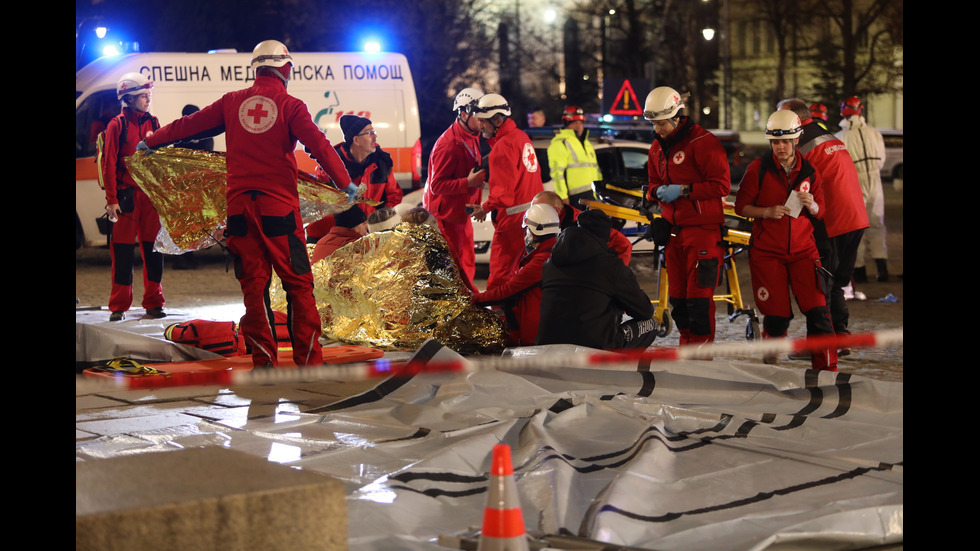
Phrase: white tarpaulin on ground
pixel 98 340
pixel 683 455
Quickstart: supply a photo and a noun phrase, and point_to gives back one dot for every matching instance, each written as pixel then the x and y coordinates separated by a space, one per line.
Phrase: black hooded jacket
pixel 586 288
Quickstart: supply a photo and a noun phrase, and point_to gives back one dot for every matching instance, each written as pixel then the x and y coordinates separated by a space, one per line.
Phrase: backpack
pixel 100 142
pixel 284 341
pixel 220 337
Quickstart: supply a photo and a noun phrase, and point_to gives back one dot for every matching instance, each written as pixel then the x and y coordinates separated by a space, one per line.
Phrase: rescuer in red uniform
pixel 135 221
pixel 514 178
pixel 781 201
pixel 367 164
pixel 839 233
pixel 690 177
pixel 265 231
pixel 456 179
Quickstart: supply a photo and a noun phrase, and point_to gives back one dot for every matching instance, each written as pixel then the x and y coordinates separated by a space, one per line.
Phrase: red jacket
pixel 841 188
pixel 386 191
pixel 115 175
pixel 262 125
pixel 514 176
pixel 787 235
pixel 454 155
pixel 691 156
pixel 376 171
pixel 524 289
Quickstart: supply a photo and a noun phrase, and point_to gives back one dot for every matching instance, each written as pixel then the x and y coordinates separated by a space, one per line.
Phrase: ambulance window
pixel 90 119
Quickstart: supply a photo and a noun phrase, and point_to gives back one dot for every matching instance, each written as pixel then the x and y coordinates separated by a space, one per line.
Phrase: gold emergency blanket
pixel 187 188
pixel 394 289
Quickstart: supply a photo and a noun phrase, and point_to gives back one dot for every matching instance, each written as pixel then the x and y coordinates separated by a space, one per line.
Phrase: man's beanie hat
pixel 350 218
pixel 352 125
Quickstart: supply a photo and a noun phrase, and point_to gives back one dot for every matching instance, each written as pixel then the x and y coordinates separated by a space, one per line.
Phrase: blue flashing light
pixel 110 50
pixel 371 45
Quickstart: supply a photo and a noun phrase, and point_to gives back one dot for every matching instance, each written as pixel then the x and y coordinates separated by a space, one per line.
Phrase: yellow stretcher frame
pixel 736 241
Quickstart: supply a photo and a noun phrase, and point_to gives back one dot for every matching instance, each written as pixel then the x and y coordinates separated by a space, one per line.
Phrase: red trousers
pixel 265 235
pixel 694 261
pixel 137 227
pixel 773 275
pixel 460 240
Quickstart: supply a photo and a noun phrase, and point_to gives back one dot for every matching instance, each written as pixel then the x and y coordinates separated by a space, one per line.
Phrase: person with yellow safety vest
pixel 572 159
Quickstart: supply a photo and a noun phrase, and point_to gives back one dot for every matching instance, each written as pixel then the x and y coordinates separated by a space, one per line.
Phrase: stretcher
pixel 628 204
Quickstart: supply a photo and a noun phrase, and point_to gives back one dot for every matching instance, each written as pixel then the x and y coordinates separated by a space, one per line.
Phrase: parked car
pixel 893 168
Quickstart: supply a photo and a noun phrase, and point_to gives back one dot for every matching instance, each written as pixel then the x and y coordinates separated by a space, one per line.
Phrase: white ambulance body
pixel 377 86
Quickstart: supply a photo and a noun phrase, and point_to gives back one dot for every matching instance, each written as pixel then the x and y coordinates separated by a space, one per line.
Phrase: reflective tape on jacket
pixel 517 209
pixel 577 175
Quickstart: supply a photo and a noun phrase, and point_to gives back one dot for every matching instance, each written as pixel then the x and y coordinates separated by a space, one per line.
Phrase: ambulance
pixel 377 86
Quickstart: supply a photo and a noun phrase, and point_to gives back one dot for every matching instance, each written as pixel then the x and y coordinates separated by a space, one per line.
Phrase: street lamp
pixel 604 21
pixel 551 18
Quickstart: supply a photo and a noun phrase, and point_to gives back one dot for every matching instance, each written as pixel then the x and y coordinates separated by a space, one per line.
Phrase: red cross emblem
pixel 257 114
pixel 530 159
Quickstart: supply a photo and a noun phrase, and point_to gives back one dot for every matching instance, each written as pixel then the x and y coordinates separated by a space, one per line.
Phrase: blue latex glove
pixel 351 192
pixel 669 193
pixel 143 147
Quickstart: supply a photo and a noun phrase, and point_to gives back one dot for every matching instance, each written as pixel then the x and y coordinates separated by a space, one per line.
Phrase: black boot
pixel 860 275
pixel 882 266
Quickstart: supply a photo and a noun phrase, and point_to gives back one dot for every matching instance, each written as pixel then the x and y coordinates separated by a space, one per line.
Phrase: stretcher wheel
pixel 753 331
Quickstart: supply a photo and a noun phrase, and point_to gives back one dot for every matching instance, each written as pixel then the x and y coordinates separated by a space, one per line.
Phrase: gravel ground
pixel 209 288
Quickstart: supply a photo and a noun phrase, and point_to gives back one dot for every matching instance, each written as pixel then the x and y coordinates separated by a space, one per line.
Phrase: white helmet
pixel 662 103
pixel 270 53
pixel 490 105
pixel 132 83
pixel 783 125
pixel 466 97
pixel 542 220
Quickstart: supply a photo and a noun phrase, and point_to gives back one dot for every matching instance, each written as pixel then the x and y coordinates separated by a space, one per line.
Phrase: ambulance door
pixel 91 118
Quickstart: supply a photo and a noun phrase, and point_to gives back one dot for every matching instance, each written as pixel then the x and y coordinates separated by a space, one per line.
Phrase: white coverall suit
pixel 867 149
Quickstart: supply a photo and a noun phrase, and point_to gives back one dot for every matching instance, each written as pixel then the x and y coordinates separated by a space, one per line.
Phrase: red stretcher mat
pixel 331 355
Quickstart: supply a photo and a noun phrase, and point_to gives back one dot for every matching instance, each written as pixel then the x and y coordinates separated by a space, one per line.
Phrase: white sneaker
pixel 860 296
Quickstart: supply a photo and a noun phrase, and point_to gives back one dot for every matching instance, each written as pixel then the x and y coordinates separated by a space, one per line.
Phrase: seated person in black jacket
pixel 586 289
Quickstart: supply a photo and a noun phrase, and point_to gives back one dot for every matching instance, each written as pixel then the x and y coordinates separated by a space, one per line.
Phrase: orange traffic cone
pixel 503 522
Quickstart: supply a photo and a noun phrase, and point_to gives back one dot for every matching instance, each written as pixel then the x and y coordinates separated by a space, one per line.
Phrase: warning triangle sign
pixel 626 102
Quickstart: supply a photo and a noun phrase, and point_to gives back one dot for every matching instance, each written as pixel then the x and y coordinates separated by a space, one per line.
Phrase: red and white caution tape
pixel 358 371
pixel 379 369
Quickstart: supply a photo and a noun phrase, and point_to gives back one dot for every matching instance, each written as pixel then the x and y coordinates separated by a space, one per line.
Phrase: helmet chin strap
pixel 283 73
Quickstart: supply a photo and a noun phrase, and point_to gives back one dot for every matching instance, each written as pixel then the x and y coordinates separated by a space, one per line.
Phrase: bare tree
pixel 785 21
pixel 862 52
